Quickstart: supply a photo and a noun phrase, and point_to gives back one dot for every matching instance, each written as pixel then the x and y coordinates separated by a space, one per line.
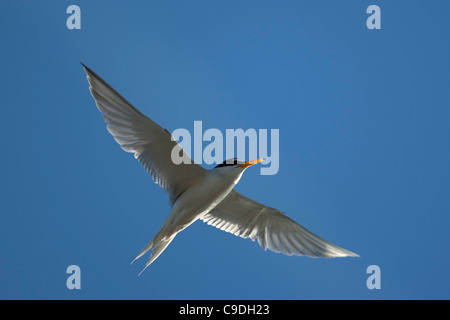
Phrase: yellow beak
pixel 250 163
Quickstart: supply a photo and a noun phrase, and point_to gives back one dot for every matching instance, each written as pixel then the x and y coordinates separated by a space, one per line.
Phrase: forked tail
pixel 157 246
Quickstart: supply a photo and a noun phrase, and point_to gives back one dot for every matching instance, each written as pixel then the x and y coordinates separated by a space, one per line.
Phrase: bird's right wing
pixel 246 218
pixel 152 145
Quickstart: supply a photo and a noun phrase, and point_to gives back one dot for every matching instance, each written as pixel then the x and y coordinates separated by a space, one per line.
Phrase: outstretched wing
pixel 246 218
pixel 152 145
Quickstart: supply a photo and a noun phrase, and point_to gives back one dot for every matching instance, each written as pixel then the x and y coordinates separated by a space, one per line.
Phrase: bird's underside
pixel 234 213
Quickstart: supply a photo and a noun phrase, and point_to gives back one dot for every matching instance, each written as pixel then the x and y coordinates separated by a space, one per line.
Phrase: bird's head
pixel 237 165
pixel 234 168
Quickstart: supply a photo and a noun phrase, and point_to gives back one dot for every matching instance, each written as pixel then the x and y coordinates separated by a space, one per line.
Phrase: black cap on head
pixel 229 162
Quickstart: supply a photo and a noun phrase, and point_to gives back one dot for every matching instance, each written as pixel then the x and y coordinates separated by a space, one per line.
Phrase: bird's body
pixel 196 193
pixel 192 205
pixel 205 195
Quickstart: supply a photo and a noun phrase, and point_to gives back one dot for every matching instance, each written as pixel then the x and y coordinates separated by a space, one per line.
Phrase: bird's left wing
pixel 246 218
pixel 152 145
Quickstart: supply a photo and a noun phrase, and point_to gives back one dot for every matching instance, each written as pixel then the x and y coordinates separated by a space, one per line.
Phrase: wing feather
pixel 272 229
pixel 135 133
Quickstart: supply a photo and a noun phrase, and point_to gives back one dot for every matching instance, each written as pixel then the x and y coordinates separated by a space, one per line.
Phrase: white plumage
pixel 196 193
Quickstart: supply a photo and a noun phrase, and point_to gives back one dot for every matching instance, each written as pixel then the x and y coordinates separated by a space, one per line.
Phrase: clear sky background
pixel 364 145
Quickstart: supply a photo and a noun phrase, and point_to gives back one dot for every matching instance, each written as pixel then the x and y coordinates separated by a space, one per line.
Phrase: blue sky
pixel 363 119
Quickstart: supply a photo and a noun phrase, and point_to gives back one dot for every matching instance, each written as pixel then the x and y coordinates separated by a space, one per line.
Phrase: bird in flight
pixel 196 193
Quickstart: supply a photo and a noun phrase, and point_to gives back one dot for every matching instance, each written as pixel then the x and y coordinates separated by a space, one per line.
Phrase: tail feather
pixel 144 251
pixel 158 244
pixel 156 251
